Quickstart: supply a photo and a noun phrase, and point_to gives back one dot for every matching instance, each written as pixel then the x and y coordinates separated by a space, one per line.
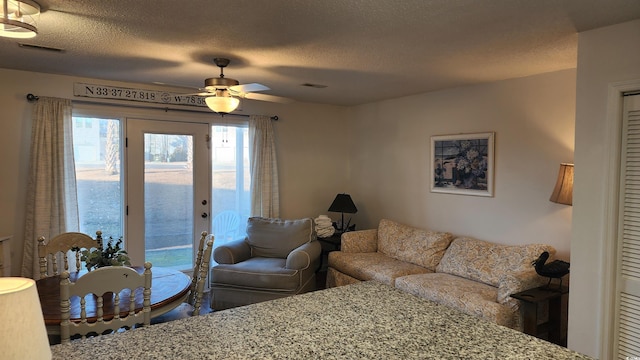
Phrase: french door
pixel 168 192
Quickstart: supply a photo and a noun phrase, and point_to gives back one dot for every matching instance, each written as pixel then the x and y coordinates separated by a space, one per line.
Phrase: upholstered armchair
pixel 278 258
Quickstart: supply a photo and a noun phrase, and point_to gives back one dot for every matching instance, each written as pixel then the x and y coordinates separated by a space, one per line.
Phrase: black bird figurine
pixel 553 270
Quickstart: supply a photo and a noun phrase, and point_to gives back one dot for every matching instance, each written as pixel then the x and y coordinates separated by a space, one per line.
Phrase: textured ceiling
pixel 362 50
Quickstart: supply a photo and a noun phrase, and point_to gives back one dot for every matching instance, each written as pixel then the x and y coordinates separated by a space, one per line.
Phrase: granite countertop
pixel 367 320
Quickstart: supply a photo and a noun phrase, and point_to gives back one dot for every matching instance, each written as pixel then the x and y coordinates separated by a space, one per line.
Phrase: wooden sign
pixel 140 95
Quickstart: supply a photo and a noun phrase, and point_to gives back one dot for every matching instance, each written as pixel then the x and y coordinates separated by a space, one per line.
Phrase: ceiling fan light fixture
pixel 222 104
pixel 19 18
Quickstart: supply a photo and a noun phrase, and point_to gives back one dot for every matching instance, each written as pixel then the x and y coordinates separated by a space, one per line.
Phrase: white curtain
pixel 52 205
pixel 265 198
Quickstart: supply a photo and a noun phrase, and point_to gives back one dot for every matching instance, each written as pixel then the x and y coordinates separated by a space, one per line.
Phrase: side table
pixel 554 329
pixel 329 244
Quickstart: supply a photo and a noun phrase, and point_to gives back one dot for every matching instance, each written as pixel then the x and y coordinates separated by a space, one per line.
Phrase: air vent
pixel 37 47
pixel 317 86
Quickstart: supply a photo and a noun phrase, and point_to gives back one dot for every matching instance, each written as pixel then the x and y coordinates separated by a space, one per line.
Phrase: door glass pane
pixel 97 154
pixel 168 200
pixel 231 180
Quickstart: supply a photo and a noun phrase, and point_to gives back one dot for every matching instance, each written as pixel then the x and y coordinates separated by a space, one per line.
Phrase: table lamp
pixel 343 204
pixel 563 191
pixel 22 331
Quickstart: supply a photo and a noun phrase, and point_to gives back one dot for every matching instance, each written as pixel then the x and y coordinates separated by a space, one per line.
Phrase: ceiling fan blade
pixel 245 88
pixel 270 98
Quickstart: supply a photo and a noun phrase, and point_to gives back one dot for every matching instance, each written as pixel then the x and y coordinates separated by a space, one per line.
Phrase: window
pixel 97 152
pixel 231 180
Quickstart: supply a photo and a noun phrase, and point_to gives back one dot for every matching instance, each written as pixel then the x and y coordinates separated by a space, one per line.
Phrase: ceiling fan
pixel 222 94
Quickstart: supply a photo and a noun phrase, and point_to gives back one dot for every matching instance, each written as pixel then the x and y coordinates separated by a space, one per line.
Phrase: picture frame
pixel 463 164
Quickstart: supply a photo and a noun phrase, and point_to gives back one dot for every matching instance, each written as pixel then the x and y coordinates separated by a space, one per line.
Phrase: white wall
pixel 310 149
pixel 605 56
pixel 533 120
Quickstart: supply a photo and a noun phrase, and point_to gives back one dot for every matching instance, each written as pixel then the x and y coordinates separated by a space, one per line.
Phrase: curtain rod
pixel 32 98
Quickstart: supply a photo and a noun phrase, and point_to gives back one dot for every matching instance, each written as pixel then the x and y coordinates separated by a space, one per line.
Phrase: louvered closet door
pixel 628 278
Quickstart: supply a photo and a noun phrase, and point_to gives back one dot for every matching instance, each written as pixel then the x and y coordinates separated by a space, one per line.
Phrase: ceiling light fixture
pixel 223 102
pixel 19 18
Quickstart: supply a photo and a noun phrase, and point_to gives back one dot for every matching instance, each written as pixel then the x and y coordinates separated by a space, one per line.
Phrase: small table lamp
pixel 22 331
pixel 343 204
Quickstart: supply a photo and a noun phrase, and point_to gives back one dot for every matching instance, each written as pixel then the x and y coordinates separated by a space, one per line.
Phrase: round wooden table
pixel 169 288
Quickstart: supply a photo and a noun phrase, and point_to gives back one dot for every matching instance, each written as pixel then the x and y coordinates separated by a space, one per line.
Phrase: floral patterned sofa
pixel 473 276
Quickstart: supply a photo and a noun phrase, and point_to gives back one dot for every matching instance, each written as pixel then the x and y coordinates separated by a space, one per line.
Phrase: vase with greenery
pixel 111 255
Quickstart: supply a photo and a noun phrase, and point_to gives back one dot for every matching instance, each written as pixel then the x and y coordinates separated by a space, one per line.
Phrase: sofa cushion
pixel 488 262
pixel 372 266
pixel 417 246
pixel 470 297
pixel 277 238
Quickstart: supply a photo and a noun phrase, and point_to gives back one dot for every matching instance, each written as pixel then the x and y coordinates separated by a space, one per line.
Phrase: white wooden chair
pixel 200 272
pixel 113 288
pixel 57 248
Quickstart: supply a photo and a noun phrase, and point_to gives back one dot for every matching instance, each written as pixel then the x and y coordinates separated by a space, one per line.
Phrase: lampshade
pixel 222 104
pixel 22 331
pixel 19 18
pixel 343 203
pixel 563 192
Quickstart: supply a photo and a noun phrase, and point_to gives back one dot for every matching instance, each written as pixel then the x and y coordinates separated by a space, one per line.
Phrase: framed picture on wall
pixel 462 164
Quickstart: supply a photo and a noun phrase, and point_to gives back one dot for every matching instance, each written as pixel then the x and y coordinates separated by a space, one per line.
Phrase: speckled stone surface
pixel 367 320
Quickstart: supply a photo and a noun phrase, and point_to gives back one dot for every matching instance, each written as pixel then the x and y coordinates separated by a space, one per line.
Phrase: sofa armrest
pixel 359 241
pixel 516 282
pixel 232 253
pixel 302 257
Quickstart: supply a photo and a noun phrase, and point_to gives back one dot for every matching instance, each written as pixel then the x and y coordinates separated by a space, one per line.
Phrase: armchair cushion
pixel 276 238
pixel 258 273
